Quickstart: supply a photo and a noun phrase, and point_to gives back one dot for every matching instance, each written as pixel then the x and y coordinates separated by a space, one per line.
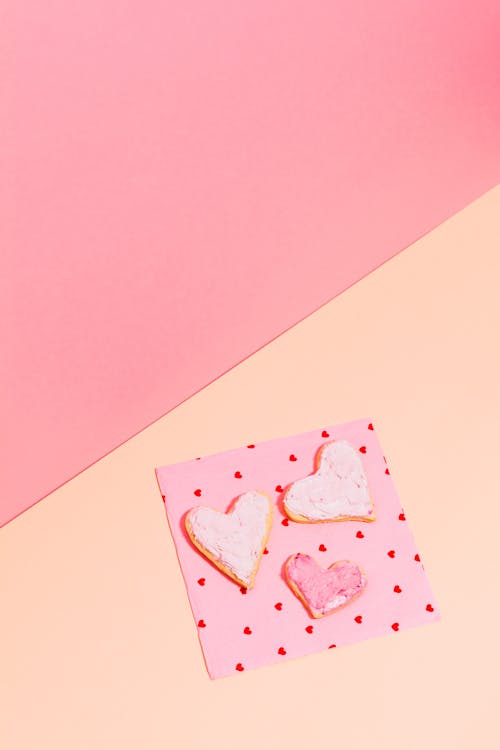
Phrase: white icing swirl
pixel 236 539
pixel 338 488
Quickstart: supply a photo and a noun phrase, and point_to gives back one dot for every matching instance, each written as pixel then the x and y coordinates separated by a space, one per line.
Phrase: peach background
pixel 99 648
pixel 163 161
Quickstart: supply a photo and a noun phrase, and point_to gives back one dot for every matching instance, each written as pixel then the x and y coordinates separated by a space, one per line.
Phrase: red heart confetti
pixel 362 449
pixel 247 631
pixel 395 626
pixel 358 619
pixel 417 558
pixel 201 581
pixel 325 434
pixel 284 522
pixel 266 551
pixel 197 493
pixel 251 445
pixel 391 554
pixel 238 475
pixel 292 457
pixel 332 645
pixel 360 535
pixel 281 651
pixel 201 624
pixel 370 426
pixel 279 488
pixel 397 589
pixel 430 608
pixel 322 548
pixel 309 629
pixel 278 606
pixel 402 517
pixel 387 471
pixel 243 590
pixel 239 667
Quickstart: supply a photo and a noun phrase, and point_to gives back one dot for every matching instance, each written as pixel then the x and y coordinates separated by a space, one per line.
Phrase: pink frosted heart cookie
pixel 233 541
pixel 337 491
pixel 323 591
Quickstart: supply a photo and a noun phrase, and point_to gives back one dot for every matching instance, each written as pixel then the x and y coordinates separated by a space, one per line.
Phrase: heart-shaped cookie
pixel 323 591
pixel 337 491
pixel 233 541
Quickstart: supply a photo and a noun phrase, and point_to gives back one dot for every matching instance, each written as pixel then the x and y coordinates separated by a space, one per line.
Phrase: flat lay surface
pixel 98 645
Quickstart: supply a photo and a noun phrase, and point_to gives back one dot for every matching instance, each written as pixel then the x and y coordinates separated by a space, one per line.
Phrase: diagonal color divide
pixel 182 186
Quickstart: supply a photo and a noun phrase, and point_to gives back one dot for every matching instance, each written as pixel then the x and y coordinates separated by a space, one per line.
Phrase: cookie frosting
pixel 338 489
pixel 324 591
pixel 233 540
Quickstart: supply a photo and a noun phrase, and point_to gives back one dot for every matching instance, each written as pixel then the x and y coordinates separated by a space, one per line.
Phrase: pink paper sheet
pixel 181 182
pixel 397 595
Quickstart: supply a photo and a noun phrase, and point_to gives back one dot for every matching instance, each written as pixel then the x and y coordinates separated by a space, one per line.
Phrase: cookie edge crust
pixel 314 612
pixel 304 519
pixel 220 566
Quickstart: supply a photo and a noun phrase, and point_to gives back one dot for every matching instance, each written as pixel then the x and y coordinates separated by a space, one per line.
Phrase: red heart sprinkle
pixel 362 449
pixel 325 434
pixel 278 606
pixel 397 589
pixel 201 581
pixel 322 548
pixel 279 488
pixel 237 475
pixel 430 608
pixel 201 624
pixel 370 426
pixel 243 590
pixel 239 667
pixel 391 553
pixel 247 631
pixel 395 626
pixel 309 629
pixel 197 493
pixel 417 558
pixel 251 445
pixel 402 517
pixel 387 471
pixel 292 457
pixel 358 619
pixel 333 645
pixel 163 498
pixel 284 522
pixel 281 651
pixel 266 551
pixel 360 535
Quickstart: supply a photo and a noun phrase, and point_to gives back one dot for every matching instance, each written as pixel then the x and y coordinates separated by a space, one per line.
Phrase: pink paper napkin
pixel 241 630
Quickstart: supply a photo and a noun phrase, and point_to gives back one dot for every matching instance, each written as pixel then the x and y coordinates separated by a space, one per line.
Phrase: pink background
pixel 181 182
pixel 225 611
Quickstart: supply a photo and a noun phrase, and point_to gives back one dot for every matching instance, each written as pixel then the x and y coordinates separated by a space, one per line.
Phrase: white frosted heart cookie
pixel 337 491
pixel 233 541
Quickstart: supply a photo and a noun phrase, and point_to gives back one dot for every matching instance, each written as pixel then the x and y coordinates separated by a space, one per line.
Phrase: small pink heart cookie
pixel 337 491
pixel 233 541
pixel 323 591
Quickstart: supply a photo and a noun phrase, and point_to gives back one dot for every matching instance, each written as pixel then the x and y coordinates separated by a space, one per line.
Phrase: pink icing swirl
pixel 325 590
